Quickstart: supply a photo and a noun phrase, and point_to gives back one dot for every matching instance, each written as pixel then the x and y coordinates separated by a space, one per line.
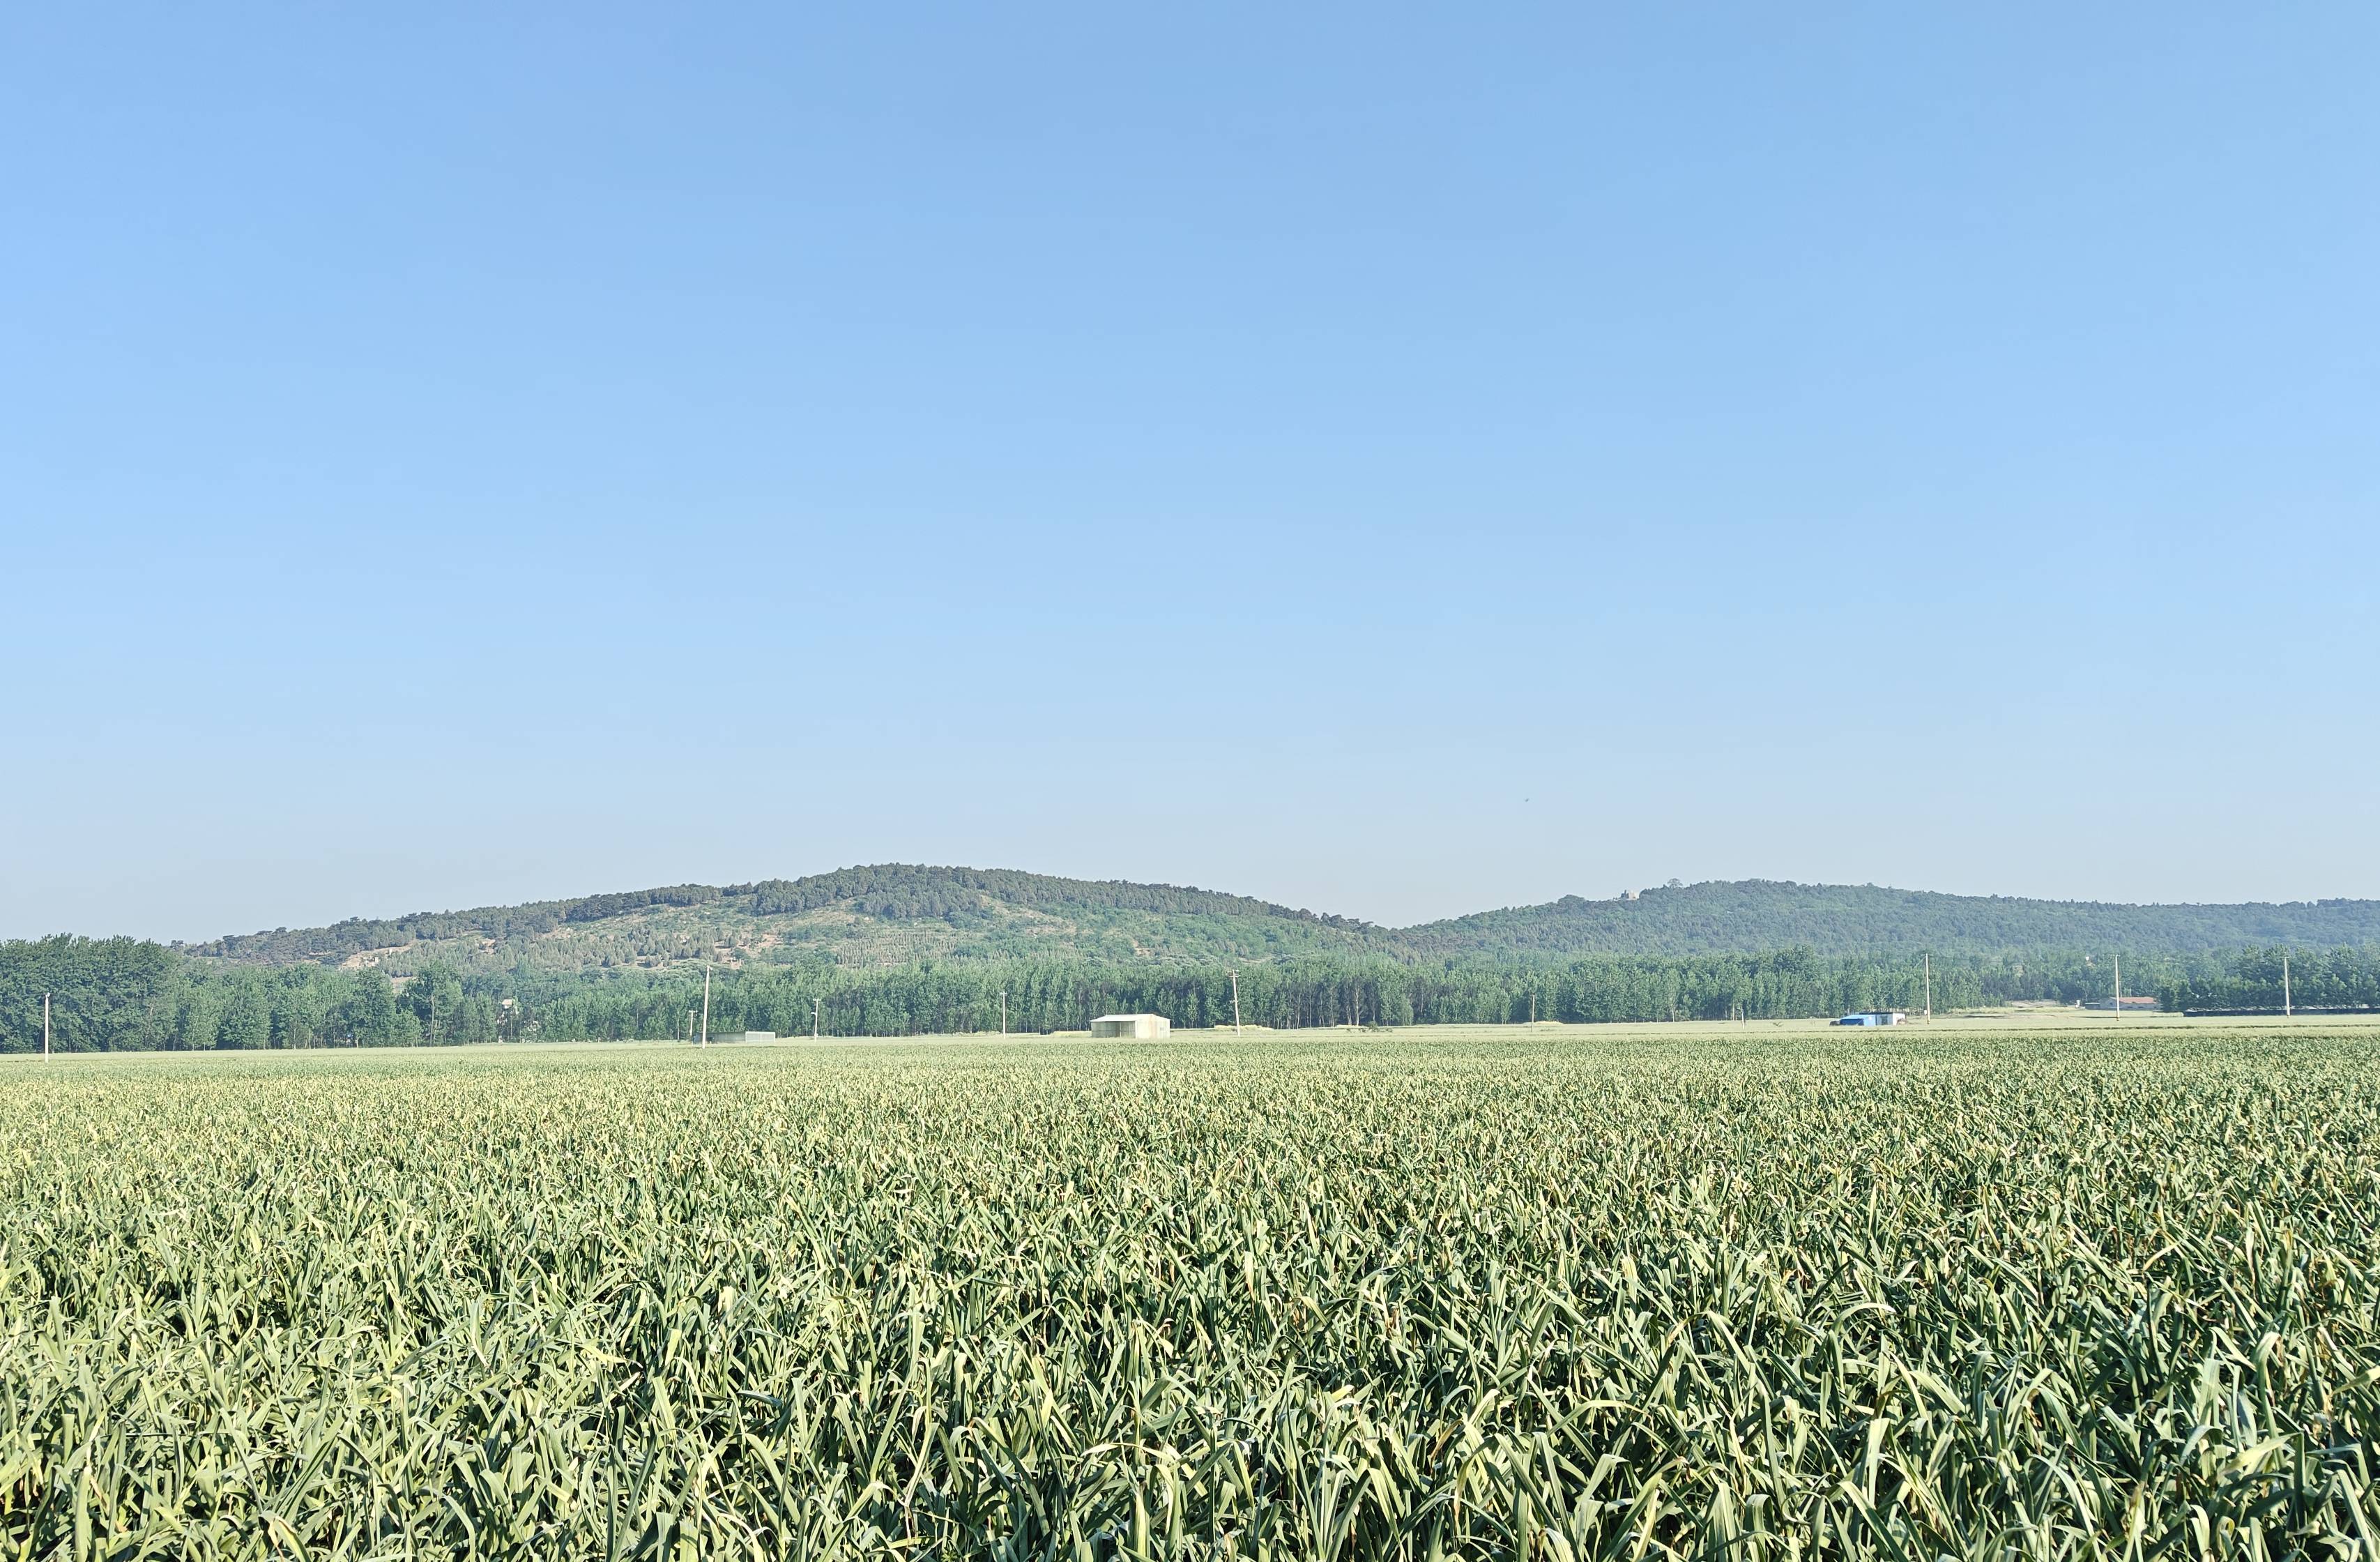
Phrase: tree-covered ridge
pixel 899 890
pixel 1845 919
pixel 883 914
pixel 899 913
pixel 596 907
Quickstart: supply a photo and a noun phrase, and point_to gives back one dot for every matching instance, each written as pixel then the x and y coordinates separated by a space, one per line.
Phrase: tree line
pixel 125 994
pixel 928 997
pixel 2345 978
pixel 118 995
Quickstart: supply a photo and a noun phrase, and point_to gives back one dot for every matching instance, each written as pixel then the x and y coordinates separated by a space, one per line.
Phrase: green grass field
pixel 1772 1292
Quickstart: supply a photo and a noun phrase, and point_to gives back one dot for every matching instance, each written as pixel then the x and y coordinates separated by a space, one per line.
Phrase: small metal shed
pixel 759 1035
pixel 1139 1027
pixel 1874 1016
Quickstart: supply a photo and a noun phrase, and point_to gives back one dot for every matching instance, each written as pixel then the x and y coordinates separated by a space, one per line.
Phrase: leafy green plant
pixel 1477 1294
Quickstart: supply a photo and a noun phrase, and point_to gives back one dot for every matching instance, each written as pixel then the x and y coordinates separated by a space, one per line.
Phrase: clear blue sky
pixel 464 454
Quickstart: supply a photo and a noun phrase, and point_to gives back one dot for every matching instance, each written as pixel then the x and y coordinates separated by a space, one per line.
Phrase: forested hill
pixel 893 913
pixel 1720 917
pixel 865 916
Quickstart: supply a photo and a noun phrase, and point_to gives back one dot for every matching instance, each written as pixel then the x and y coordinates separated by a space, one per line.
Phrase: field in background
pixel 2064 1023
pixel 2046 1286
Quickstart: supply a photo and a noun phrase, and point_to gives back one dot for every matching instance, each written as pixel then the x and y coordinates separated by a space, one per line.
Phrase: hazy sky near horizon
pixel 1390 459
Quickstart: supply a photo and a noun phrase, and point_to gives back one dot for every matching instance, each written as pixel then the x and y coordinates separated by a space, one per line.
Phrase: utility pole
pixel 2286 1009
pixel 1003 1011
pixel 1235 1000
pixel 1532 1003
pixel 1929 988
pixel 814 1020
pixel 706 1003
pixel 2119 985
pixel 45 1025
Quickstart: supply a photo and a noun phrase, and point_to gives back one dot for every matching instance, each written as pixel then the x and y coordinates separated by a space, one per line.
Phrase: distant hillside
pixel 1755 914
pixel 896 912
pixel 879 915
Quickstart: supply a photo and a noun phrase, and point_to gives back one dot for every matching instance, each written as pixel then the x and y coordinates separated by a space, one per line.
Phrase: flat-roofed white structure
pixel 1139 1027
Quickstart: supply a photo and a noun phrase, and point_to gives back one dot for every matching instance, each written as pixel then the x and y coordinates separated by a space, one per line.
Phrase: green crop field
pixel 1767 1293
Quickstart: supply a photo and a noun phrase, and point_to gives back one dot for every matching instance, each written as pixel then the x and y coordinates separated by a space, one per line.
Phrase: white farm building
pixel 1139 1027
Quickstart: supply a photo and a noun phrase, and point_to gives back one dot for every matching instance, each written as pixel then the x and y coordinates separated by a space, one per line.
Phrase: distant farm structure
pixel 1136 1027
pixel 1874 1016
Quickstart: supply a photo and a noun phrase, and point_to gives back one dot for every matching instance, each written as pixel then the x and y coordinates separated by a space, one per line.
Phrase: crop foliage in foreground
pixel 1776 1298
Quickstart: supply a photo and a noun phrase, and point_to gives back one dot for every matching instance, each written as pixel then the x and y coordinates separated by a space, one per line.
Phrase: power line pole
pixel 2119 985
pixel 1003 1011
pixel 814 1020
pixel 1235 1000
pixel 1929 988
pixel 2286 1009
pixel 45 1025
pixel 706 1003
